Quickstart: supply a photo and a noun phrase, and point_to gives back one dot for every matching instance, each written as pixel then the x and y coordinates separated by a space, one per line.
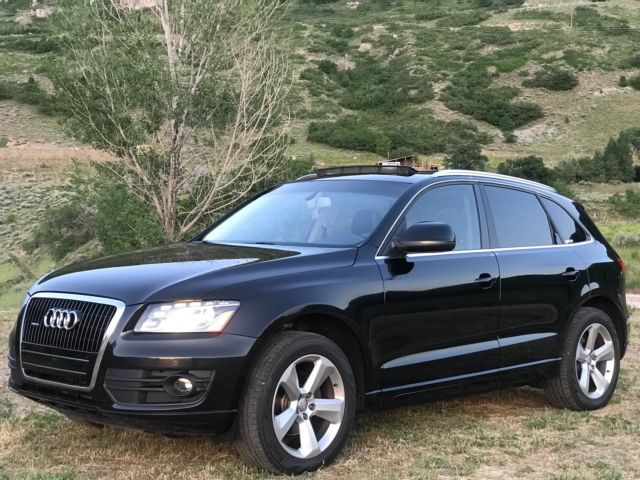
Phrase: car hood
pixel 187 270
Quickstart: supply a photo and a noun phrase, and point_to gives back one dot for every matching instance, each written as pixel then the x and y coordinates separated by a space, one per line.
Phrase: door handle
pixel 486 280
pixel 571 274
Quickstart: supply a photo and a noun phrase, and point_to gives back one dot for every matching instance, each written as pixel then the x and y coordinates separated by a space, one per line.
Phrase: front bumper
pixel 129 391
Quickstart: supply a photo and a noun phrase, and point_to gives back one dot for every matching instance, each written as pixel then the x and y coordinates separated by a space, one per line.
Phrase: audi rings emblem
pixel 61 318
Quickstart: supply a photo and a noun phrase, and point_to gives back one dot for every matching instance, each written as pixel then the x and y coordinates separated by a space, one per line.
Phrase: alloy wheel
pixel 308 406
pixel 595 361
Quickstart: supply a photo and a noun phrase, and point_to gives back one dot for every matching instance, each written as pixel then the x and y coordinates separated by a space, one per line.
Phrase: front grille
pixel 59 355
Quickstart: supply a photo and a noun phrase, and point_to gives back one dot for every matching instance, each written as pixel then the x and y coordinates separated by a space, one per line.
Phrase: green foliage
pixel 396 135
pixel 623 82
pixel 466 157
pixel 472 93
pixel 430 14
pixel 530 167
pixel 553 78
pixel 372 85
pixel 626 204
pixel 634 61
pixel 463 19
pixel 499 5
pixel 31 45
pixel 634 82
pixel 537 14
pixel 29 93
pixel 99 207
pixel 590 18
pixel 615 162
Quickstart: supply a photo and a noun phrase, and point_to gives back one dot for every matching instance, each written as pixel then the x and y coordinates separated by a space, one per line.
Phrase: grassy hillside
pixel 387 77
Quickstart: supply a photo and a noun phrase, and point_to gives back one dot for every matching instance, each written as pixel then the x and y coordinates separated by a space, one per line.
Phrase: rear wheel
pixel 590 363
pixel 299 404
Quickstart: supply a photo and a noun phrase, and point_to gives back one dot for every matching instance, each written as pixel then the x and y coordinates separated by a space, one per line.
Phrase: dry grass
pixel 507 434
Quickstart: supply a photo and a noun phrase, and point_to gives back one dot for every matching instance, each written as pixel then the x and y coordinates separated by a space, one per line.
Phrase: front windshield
pixel 319 213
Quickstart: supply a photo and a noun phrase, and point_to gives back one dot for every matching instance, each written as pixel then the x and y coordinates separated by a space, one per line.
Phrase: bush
pixel 588 17
pixel 30 93
pixel 471 93
pixel 499 4
pixel 372 85
pixel 634 82
pixel 634 61
pixel 100 207
pixel 431 14
pixel 553 78
pixel 347 132
pixel 327 67
pixel 627 203
pixel 466 157
pixel 463 19
pixel 404 134
pixel 530 167
pixel 623 82
pixel 615 162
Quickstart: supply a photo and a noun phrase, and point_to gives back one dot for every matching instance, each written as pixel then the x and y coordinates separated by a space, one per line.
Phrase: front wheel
pixel 299 404
pixel 590 363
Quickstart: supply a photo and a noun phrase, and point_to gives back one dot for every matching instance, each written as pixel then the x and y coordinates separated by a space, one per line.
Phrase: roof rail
pixel 401 170
pixel 497 176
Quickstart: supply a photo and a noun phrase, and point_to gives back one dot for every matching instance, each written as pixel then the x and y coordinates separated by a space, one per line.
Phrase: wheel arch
pixel 612 309
pixel 337 330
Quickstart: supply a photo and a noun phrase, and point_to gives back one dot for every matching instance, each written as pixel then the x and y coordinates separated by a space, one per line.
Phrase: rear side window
pixel 567 229
pixel 518 219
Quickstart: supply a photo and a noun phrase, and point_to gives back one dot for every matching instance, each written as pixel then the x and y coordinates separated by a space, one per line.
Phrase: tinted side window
pixel 518 219
pixel 454 205
pixel 566 227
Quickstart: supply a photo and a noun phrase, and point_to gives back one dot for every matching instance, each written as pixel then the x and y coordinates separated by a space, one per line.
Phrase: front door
pixel 441 309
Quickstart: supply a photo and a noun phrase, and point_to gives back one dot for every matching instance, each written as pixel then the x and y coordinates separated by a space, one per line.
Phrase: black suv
pixel 348 289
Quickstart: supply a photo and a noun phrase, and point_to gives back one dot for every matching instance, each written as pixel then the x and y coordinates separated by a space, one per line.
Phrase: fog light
pixel 179 385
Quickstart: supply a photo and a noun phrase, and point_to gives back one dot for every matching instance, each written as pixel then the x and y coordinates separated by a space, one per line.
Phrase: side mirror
pixel 426 237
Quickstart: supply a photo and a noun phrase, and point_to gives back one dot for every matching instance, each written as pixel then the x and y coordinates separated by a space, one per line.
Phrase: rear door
pixel 441 309
pixel 541 275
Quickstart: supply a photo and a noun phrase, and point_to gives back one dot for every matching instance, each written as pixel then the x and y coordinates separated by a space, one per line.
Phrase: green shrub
pixel 399 134
pixel 347 132
pixel 472 93
pixel 499 5
pixel 634 82
pixel 615 162
pixel 430 14
pixel 590 18
pixel 99 207
pixel 549 15
pixel 634 61
pixel 627 203
pixel 553 78
pixel 623 82
pixel 328 67
pixel 463 19
pixel 4 141
pixel 530 167
pixel 372 85
pixel 466 157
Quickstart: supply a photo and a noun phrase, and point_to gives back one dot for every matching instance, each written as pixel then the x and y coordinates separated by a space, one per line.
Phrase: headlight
pixel 187 317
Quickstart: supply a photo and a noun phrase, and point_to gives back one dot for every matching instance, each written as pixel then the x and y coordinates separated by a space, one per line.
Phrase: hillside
pixel 371 79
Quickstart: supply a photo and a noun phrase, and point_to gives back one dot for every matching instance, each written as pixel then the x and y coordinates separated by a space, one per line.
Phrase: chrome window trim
pixel 497 249
pixel 495 176
pixel 120 307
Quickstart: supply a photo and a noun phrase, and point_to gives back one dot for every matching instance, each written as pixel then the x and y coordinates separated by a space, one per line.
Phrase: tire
pixel 266 402
pixel 579 383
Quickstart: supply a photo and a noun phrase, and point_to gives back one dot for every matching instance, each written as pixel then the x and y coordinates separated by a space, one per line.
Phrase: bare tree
pixel 189 95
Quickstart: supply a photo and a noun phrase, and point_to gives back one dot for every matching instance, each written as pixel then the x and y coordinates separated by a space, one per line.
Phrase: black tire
pixel 257 442
pixel 563 391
